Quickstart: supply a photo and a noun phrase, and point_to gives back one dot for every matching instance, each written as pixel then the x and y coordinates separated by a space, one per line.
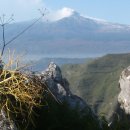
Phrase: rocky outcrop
pixel 5 123
pixel 121 116
pixel 124 96
pixel 59 87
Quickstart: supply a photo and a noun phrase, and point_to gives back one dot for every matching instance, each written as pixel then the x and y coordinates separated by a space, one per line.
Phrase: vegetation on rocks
pixel 20 93
pixel 24 100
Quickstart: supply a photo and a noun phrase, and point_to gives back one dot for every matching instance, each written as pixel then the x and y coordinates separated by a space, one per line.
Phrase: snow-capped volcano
pixel 71 17
pixel 68 32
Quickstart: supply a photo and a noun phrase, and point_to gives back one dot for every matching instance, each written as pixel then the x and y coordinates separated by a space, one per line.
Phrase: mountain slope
pixel 97 82
pixel 64 37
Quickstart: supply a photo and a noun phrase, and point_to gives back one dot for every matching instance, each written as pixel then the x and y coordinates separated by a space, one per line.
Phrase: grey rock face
pixel 53 71
pixel 124 96
pixel 59 86
pixel 5 123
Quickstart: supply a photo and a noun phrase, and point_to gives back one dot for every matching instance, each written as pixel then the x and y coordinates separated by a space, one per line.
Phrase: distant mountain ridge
pixel 74 35
pixel 43 63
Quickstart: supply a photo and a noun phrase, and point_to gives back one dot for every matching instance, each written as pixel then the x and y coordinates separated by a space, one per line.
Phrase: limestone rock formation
pixel 59 86
pixel 124 96
pixel 5 123
pixel 121 115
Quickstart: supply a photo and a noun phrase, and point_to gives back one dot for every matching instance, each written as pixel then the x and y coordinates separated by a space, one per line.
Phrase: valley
pixel 97 81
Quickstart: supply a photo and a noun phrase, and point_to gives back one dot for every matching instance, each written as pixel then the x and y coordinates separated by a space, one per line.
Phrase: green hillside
pixel 97 81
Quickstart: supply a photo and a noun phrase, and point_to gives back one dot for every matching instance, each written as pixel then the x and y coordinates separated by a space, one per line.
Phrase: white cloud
pixel 59 14
pixel 22 9
pixel 65 12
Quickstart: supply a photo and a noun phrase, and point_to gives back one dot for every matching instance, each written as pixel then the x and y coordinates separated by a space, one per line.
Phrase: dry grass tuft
pixel 20 92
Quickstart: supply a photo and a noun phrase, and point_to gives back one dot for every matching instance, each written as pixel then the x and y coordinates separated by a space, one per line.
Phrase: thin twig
pixel 23 31
pixel 4 23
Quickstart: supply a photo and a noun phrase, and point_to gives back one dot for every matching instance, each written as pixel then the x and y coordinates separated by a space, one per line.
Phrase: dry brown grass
pixel 20 92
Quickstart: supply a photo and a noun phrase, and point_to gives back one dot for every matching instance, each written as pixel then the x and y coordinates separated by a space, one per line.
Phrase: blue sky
pixel 111 10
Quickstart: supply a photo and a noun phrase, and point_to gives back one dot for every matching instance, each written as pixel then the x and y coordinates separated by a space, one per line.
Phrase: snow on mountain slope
pixel 68 33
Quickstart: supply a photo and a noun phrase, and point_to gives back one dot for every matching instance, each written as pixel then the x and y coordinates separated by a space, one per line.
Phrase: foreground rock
pixel 124 96
pixel 64 106
pixel 59 86
pixel 121 116
pixel 5 123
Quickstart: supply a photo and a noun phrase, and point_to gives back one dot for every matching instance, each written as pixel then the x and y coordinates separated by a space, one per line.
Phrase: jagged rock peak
pixel 124 96
pixel 53 71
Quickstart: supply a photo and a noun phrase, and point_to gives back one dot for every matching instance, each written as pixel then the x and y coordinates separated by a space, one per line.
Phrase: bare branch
pixel 3 18
pixel 1 21
pixel 10 19
pixel 5 22
pixel 4 42
pixel 23 31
